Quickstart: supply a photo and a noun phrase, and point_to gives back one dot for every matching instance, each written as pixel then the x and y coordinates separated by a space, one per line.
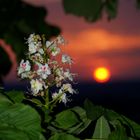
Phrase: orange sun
pixel 101 74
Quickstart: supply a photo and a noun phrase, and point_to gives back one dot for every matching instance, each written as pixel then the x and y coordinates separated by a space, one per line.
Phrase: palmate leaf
pixel 15 96
pixel 93 112
pixel 102 129
pixel 84 121
pixel 135 128
pixel 18 121
pixel 73 121
pixel 4 101
pixel 114 117
pixel 66 119
pixel 118 134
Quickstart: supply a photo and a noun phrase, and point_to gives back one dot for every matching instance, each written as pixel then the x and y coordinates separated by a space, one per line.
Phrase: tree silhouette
pixel 17 20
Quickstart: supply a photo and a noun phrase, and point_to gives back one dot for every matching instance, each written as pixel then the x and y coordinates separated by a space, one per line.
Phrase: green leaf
pixel 102 129
pixel 35 101
pixel 91 10
pixel 135 128
pixel 15 96
pixel 4 101
pixel 73 121
pixel 66 119
pixel 118 134
pixel 84 121
pixel 63 136
pixel 93 112
pixel 131 138
pixel 111 8
pixel 111 115
pixel 114 117
pixel 19 121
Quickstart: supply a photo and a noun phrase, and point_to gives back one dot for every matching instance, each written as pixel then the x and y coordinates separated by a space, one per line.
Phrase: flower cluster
pixel 45 69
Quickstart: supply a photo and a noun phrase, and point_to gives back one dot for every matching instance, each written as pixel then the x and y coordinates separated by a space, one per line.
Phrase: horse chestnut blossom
pixel 36 86
pixel 24 68
pixel 67 59
pixel 47 72
pixel 43 71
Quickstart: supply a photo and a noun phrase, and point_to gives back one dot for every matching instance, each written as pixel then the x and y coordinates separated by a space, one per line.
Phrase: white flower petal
pixel 64 98
pixel 32 48
pixel 24 67
pixel 36 86
pixel 44 71
pixel 48 43
pixel 41 51
pixel 66 59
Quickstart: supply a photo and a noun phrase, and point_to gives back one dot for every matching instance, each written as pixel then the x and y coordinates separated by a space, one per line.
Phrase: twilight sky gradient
pixel 114 44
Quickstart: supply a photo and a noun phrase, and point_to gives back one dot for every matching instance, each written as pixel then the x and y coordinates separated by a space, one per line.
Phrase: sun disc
pixel 101 74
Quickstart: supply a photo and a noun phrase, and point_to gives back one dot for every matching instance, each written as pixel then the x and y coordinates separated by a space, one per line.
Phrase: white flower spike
pixel 44 70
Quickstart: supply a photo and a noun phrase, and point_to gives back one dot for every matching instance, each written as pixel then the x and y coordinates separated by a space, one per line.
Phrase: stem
pixel 54 102
pixel 47 99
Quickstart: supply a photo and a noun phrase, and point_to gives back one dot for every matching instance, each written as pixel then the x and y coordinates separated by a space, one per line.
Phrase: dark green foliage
pixel 18 20
pixel 72 121
pixel 15 96
pixel 118 134
pixel 138 4
pixel 102 129
pixel 66 119
pixel 91 10
pixel 63 136
pixel 93 112
pixel 111 8
pixel 20 121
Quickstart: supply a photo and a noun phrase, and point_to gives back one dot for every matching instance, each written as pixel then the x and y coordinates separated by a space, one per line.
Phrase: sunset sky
pixel 114 44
